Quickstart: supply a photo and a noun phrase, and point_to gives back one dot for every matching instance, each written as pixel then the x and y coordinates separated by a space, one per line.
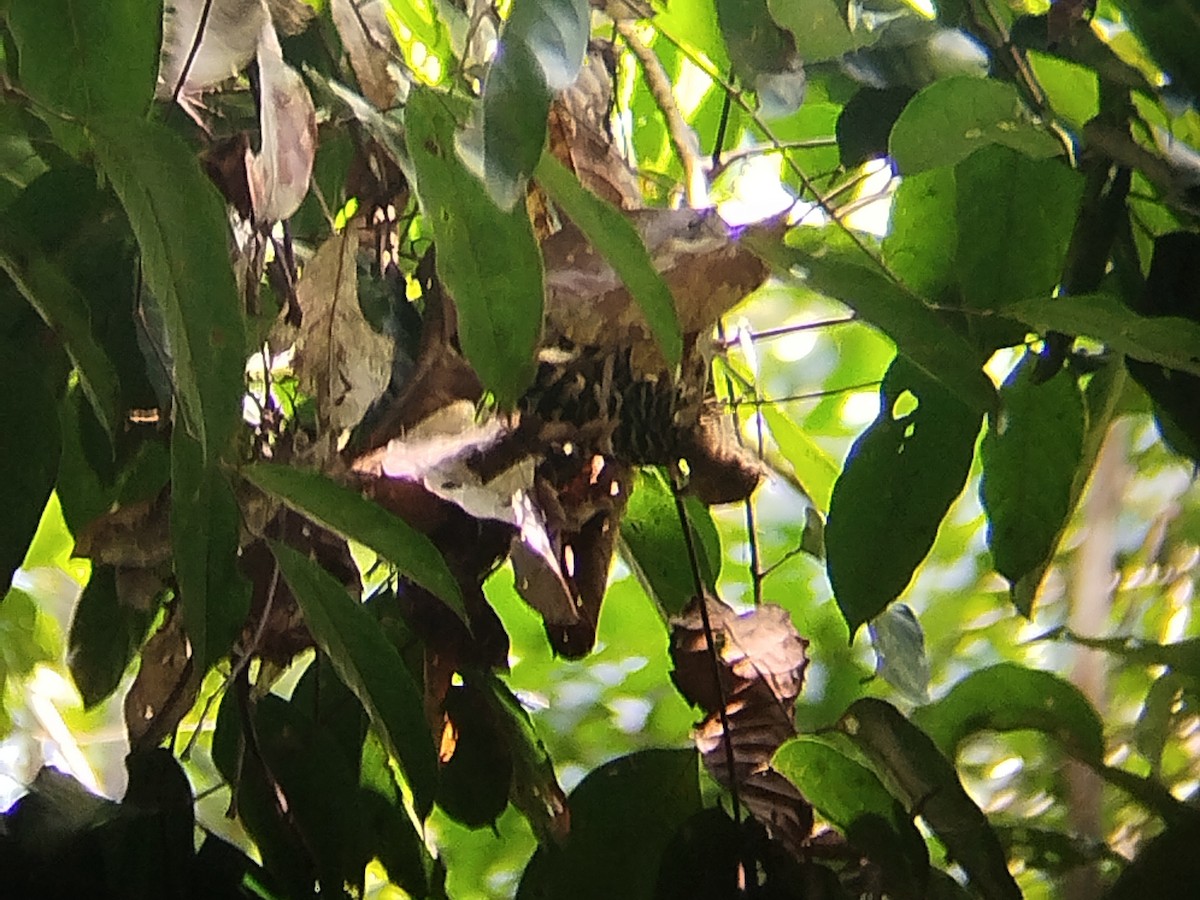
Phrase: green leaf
pixel 1170 30
pixel 818 26
pixel 1008 697
pixel 853 800
pixel 899 644
pixel 29 454
pixel 653 536
pixel 952 118
pixel 921 246
pixel 1030 456
pixel 369 665
pixel 352 516
pixel 919 332
pixel 902 474
pixel 1170 341
pixel 814 469
pixel 541 49
pixel 205 523
pixel 623 815
pixel 611 232
pixel 925 781
pixel 105 634
pixel 488 259
pixel 1035 223
pixel 85 58
pixel 65 311
pixel 180 224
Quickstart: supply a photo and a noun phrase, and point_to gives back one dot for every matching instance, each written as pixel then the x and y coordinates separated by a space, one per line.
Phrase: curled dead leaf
pixel 340 360
pixel 368 41
pixel 166 686
pixel 761 660
pixel 279 173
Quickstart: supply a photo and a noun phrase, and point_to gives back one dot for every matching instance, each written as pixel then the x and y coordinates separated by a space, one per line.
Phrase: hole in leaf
pixel 906 404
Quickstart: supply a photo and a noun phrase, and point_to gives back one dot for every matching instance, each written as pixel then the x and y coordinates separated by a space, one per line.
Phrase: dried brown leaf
pixel 368 41
pixel 340 359
pixel 229 40
pixel 279 173
pixel 706 268
pixel 166 686
pixel 761 662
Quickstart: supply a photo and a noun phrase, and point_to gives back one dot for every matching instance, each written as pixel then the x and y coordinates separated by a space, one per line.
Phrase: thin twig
pixel 710 642
pixel 814 395
pixel 722 126
pixel 733 156
pixel 784 330
pixel 687 145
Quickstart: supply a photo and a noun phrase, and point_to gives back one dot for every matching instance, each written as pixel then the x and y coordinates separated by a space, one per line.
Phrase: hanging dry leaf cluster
pixel 397 411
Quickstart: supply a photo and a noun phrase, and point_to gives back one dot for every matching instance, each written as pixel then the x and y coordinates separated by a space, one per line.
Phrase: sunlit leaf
pixel 1009 697
pixel 818 26
pixel 352 516
pixel 369 665
pixel 925 781
pixel 651 531
pixel 814 469
pixel 1030 455
pixel 611 232
pixel 541 49
pixel 952 118
pixel 851 798
pixel 604 857
pixel 1169 341
pixel 901 476
pixel 1035 222
pixel 487 259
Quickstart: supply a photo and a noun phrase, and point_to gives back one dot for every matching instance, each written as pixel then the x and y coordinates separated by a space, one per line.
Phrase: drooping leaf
pixel 1009 697
pixel 813 467
pixel 865 122
pixel 653 536
pixel 205 522
pixel 1170 31
pixel 105 633
pixel 851 797
pixel 180 224
pixel 487 259
pixel 350 515
pixel 279 173
pixel 761 660
pixel 917 774
pixel 166 686
pixel 65 311
pixel 340 359
pixel 1035 221
pixel 952 118
pixel 1030 456
pixel 604 857
pixel 86 59
pixel 1169 341
pixel 902 474
pixel 541 49
pixel 610 232
pixel 28 409
pixel 899 644
pixel 535 789
pixel 367 664
pixel 477 765
pixel 918 332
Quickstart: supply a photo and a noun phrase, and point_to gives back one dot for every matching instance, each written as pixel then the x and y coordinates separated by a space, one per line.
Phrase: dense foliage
pixel 441 501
